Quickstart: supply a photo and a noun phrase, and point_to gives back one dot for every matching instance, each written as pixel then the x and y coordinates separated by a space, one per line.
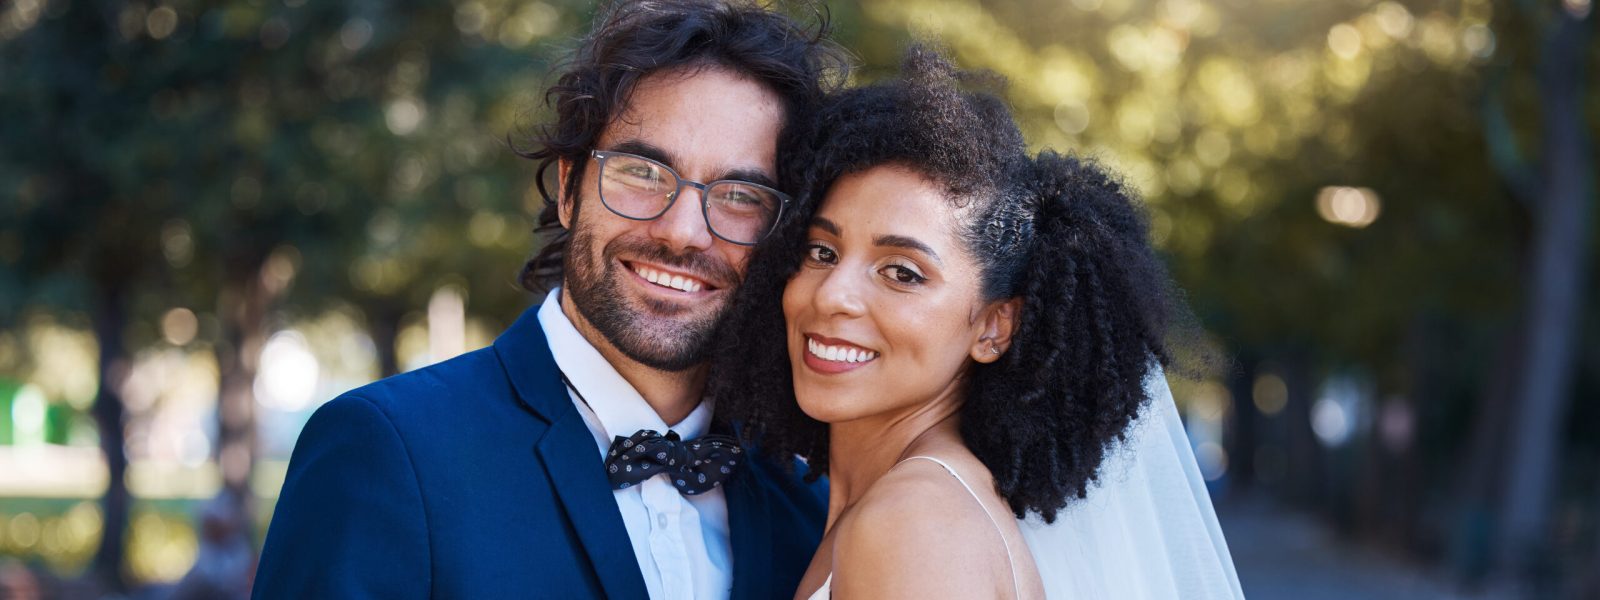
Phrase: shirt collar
pixel 619 408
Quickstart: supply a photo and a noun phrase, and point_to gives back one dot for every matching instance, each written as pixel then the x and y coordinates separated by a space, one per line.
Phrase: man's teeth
pixel 839 353
pixel 677 282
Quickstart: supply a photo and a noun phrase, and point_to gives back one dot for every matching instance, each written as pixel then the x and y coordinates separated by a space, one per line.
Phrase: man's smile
pixel 666 278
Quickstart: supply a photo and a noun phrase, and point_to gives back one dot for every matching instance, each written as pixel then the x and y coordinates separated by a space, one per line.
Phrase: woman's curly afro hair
pixel 1058 232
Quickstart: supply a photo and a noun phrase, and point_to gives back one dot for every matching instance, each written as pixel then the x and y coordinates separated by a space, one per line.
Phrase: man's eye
pixel 821 254
pixel 641 172
pixel 739 199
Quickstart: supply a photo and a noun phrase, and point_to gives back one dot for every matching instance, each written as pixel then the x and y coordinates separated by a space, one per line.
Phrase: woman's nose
pixel 839 294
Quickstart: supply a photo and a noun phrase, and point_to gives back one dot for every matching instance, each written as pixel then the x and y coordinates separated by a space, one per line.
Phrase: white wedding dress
pixel 1147 531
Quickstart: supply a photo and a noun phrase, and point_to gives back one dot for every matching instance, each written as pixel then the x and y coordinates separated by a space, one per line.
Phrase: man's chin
pixel 665 335
pixel 670 351
pixel 659 310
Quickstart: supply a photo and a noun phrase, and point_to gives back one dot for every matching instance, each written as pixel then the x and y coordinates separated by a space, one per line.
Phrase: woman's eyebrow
pixel 900 241
pixel 890 241
pixel 825 225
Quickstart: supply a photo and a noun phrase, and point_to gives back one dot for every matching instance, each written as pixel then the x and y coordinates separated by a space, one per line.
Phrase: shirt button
pixel 661 520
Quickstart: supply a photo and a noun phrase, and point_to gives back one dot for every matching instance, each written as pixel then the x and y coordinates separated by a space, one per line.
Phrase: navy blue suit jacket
pixel 477 478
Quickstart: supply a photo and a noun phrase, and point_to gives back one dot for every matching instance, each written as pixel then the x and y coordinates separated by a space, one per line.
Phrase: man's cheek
pixel 740 261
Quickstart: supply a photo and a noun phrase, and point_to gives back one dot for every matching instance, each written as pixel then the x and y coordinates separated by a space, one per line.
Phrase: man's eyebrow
pixel 658 154
pixel 900 241
pixel 645 149
pixel 750 175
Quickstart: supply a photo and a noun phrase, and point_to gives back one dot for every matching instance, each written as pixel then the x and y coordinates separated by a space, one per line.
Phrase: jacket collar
pixel 525 354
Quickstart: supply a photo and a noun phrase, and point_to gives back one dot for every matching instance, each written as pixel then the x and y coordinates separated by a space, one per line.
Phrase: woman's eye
pixel 901 274
pixel 820 254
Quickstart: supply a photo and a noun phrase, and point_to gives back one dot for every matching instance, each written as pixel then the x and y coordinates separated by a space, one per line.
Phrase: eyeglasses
pixel 638 188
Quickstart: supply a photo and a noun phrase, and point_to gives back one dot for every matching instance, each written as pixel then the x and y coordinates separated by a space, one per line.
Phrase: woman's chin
pixel 826 411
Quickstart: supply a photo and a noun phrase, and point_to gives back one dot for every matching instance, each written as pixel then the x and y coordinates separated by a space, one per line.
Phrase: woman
pixel 957 335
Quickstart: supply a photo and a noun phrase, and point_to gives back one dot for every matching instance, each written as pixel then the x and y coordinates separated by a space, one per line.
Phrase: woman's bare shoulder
pixel 917 533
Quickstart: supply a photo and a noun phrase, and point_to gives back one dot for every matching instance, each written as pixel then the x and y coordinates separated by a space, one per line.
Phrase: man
pixel 530 468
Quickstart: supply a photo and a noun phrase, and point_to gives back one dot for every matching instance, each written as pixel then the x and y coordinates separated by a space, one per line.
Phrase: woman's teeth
pixel 839 353
pixel 677 282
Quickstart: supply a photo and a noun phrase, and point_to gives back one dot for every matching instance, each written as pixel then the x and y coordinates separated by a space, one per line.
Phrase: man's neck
pixel 672 395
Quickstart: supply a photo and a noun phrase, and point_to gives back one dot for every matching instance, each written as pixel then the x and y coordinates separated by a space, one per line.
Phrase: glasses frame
pixel 600 157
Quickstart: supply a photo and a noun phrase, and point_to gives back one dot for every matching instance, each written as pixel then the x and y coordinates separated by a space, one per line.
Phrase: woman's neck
pixel 862 451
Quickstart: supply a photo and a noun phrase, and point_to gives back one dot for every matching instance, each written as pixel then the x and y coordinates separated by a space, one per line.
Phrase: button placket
pixel 666 541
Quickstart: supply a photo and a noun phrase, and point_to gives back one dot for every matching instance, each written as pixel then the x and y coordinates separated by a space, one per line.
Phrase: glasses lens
pixel 634 187
pixel 741 212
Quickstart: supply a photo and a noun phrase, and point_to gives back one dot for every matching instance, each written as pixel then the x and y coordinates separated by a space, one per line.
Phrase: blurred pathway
pixel 1282 554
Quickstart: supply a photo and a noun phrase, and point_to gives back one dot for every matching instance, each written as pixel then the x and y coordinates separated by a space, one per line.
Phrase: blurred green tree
pixel 211 154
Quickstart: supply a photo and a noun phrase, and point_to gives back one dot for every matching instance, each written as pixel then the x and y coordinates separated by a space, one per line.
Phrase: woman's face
pixel 886 309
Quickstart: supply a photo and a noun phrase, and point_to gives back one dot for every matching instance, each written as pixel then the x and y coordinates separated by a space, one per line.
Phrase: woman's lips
pixel 831 356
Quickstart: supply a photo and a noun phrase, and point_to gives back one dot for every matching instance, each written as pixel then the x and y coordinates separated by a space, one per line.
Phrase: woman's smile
pixel 830 356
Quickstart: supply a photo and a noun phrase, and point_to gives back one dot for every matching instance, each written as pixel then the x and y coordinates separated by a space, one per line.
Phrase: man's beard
pixel 654 339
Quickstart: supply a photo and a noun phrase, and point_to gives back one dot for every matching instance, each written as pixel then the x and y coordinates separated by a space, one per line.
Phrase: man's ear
pixel 996 325
pixel 564 203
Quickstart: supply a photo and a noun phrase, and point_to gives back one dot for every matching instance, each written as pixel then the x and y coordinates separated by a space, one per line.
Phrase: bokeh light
pixel 179 326
pixel 288 377
pixel 1270 394
pixel 1348 206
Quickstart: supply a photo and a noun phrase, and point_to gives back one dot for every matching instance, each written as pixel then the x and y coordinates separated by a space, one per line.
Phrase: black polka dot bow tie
pixel 692 466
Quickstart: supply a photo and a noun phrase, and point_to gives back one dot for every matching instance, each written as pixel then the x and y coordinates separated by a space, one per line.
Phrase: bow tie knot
pixel 692 466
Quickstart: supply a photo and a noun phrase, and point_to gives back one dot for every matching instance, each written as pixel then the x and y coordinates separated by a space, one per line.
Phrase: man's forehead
pixel 709 120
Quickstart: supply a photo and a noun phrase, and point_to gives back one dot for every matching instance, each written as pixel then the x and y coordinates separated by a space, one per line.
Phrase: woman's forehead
pixel 891 200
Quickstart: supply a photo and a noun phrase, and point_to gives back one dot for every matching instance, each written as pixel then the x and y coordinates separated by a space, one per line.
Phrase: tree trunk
pixel 110 321
pixel 1483 475
pixel 1559 267
pixel 1304 477
pixel 1241 437
pixel 243 306
pixel 383 324
pixel 1400 493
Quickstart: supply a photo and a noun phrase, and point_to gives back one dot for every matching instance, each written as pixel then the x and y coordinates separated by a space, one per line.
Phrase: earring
pixel 994 350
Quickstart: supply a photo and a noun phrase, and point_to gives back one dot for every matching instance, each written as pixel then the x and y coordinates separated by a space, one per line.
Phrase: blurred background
pixel 215 216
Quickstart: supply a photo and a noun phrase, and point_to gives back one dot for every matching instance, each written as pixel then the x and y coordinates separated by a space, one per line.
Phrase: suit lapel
pixel 567 453
pixel 750 530
pixel 578 475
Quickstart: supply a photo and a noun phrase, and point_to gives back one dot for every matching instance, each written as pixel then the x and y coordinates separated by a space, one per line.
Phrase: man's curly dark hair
pixel 1058 232
pixel 635 38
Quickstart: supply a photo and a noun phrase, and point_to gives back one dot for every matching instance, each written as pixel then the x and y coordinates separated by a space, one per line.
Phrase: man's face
pixel 706 124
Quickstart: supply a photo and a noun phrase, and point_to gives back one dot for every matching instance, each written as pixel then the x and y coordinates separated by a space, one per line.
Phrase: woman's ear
pixel 564 203
pixel 997 324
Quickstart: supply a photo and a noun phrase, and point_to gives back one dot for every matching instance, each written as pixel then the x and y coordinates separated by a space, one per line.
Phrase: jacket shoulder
pixel 474 374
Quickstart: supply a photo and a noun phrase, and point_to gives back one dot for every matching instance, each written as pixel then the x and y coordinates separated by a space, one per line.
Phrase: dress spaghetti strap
pixel 1016 591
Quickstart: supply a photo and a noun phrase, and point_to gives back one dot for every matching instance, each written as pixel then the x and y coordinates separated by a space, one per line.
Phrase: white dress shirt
pixel 681 541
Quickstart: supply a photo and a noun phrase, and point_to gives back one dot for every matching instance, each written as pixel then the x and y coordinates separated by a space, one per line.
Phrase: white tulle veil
pixel 1147 530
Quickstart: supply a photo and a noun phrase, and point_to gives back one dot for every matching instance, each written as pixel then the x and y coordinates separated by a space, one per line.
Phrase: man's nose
pixel 683 226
